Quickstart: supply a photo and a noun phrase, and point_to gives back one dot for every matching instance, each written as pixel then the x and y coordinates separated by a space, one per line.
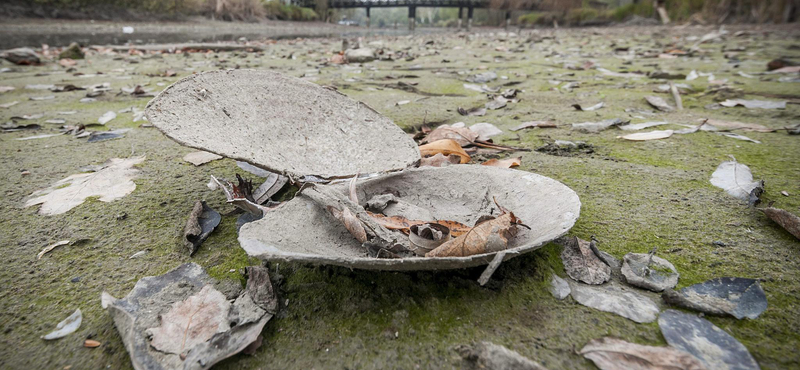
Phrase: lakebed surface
pixel 635 195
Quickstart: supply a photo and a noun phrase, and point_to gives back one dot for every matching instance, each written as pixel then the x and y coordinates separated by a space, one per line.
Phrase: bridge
pixel 412 5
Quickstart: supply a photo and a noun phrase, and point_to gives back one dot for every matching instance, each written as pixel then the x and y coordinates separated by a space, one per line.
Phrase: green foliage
pixel 150 6
pixel 276 9
pixel 683 9
pixel 540 19
pixel 580 15
pixel 643 9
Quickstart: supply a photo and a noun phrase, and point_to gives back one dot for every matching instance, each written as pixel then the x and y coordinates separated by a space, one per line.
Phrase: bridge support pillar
pixel 368 19
pixel 508 19
pixel 469 18
pixel 460 17
pixel 412 17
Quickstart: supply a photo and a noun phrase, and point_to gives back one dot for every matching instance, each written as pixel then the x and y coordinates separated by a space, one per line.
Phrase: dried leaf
pixel 489 236
pixel 477 111
pixel 490 356
pixel 350 222
pixel 43 136
pixel 426 237
pixel 588 108
pixel 98 136
pixel 352 190
pixel 616 299
pixel 594 127
pixel 271 186
pixel 497 103
pixel 440 160
pixel 201 157
pixel 66 327
pixel 482 77
pixel 613 354
pixel 736 179
pixel 113 181
pixel 403 224
pixel 191 322
pixel 505 163
pixel 712 124
pixel 582 264
pixel 534 124
pixel 51 247
pixel 485 130
pixel 659 103
pixel 714 347
pixel 445 147
pixel 462 135
pixel 156 296
pixel 788 221
pixel 738 137
pixel 737 297
pixel 106 117
pixel 639 126
pixel 676 95
pixel 789 69
pixel 650 135
pixel 754 104
pixel 9 104
pixel 202 221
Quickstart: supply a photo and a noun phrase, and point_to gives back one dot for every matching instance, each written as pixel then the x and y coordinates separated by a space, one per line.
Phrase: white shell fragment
pixel 66 327
pixel 301 230
pixel 280 123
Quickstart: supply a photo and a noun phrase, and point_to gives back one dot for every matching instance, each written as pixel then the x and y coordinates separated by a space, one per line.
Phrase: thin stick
pixel 489 271
pixel 676 95
pixel 376 234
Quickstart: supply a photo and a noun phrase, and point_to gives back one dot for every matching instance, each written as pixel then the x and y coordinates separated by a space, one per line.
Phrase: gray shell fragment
pixel 710 344
pixel 300 230
pixel 582 263
pixel 67 326
pixel 280 123
pixel 616 299
pixel 738 297
pixel 153 296
pixel 559 287
pixel 658 276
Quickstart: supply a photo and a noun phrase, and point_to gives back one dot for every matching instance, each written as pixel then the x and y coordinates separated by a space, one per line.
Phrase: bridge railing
pixel 395 3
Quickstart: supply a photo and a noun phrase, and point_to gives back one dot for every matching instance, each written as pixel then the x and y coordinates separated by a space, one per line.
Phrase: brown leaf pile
pixel 488 236
pixel 403 224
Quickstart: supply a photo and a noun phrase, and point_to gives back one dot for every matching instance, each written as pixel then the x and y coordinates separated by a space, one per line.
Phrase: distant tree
pixel 541 5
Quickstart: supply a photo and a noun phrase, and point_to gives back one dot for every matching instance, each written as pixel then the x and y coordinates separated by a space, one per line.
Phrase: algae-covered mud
pixel 635 195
